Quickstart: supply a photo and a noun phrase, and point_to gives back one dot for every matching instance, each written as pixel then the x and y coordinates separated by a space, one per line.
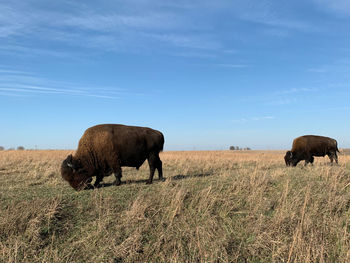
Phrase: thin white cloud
pixel 339 65
pixel 10 22
pixel 201 42
pixel 297 90
pixel 317 70
pixel 341 7
pixel 343 108
pixel 292 95
pixel 273 15
pixel 261 118
pixel 11 94
pixel 281 101
pixel 190 54
pixel 287 24
pixel 232 65
pixel 104 30
pixel 132 25
pixel 230 51
pixel 24 84
pixel 18 50
pixel 283 97
pixel 276 32
pixel 102 96
pixel 137 25
pixel 7 71
pixel 117 22
pixel 339 85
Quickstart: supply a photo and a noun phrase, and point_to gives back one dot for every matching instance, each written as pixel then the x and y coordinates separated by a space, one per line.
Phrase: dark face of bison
pixel 73 172
pixel 291 159
pixel 288 158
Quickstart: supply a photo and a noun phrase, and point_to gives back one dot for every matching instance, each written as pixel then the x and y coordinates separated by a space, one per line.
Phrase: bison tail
pixel 162 143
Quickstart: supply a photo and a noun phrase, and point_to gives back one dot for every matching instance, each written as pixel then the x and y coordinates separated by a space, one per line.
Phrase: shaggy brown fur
pixel 307 146
pixel 104 149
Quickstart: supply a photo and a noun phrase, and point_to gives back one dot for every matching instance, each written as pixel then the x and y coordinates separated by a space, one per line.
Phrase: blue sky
pixel 208 74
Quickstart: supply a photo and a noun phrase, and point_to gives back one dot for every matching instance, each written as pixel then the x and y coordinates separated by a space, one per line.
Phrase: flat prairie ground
pixel 215 206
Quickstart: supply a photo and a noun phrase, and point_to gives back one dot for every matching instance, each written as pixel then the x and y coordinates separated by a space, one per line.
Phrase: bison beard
pixel 105 149
pixel 307 146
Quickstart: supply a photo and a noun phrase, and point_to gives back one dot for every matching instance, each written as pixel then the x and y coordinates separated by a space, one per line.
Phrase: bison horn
pixel 70 161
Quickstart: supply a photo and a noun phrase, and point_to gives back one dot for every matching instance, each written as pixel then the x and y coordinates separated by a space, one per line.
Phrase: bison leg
pixel 309 159
pixel 159 166
pixel 330 155
pixel 154 163
pixel 99 178
pixel 117 170
pixel 312 160
pixel 118 176
pixel 336 157
pixel 295 162
pixel 152 168
pixel 333 156
pixel 160 170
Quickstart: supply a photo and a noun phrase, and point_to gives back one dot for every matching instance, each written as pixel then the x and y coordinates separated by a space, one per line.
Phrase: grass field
pixel 217 206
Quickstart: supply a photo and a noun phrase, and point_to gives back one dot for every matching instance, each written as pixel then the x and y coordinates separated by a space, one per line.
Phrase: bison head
pixel 291 159
pixel 73 172
pixel 288 158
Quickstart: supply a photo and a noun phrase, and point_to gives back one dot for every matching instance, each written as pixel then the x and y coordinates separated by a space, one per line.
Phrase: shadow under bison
pixel 143 181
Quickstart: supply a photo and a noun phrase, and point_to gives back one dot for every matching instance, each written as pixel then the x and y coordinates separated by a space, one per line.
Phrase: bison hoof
pixel 117 183
pixel 162 179
pixel 148 182
pixel 88 187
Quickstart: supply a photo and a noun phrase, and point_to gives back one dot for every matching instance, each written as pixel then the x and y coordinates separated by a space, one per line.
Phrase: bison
pixel 104 149
pixel 307 146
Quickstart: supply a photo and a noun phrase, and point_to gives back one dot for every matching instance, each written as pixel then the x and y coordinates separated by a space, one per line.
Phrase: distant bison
pixel 104 149
pixel 307 146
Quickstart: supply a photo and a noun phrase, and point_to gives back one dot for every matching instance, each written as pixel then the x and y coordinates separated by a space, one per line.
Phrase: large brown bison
pixel 104 149
pixel 307 146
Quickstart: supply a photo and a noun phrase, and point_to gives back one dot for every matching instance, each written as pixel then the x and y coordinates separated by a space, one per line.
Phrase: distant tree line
pixel 19 148
pixel 237 148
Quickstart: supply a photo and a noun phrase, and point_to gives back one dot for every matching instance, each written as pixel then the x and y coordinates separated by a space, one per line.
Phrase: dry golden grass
pixel 217 206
